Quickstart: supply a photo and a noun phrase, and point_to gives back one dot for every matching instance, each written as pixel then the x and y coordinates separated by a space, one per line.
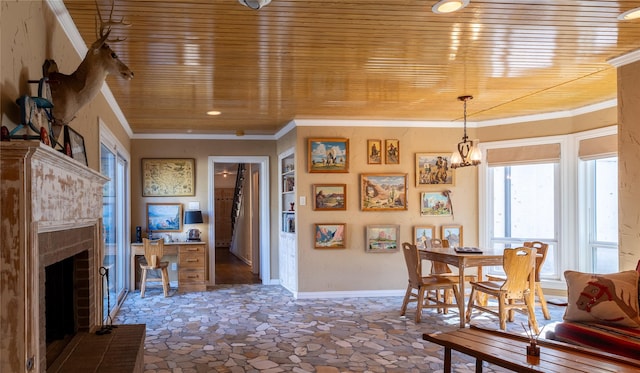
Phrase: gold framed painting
pixel 383 192
pixel 330 236
pixel 422 235
pixel 168 177
pixel 328 155
pixel 392 151
pixel 434 169
pixel 374 151
pixel 329 197
pixel 453 234
pixel 382 238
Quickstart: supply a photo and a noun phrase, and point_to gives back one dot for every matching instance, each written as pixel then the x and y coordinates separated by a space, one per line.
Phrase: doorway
pixel 248 259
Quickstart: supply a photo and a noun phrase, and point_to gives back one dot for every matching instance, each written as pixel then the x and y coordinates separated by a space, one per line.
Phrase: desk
pixel 192 263
pixel 462 261
pixel 509 351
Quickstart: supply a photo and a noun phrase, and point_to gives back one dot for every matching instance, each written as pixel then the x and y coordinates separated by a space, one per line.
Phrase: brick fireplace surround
pixel 51 210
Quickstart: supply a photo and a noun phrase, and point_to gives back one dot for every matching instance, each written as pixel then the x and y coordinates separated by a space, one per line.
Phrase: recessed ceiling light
pixel 630 14
pixel 213 112
pixel 448 6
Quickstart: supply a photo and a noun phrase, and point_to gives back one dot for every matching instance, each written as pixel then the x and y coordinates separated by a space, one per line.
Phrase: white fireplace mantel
pixel 41 190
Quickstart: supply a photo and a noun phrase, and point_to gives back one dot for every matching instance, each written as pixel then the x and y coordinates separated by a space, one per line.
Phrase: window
pixel 524 207
pixel 601 196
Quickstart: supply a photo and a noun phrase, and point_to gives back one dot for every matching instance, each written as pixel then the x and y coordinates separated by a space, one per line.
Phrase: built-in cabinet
pixel 288 253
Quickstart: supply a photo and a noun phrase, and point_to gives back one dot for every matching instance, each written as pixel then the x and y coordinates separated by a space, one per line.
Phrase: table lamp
pixel 193 217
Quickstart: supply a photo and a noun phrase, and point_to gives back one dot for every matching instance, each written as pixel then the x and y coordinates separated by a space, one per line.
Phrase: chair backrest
pixel 518 264
pixel 438 268
pixel 542 249
pixel 153 251
pixel 414 266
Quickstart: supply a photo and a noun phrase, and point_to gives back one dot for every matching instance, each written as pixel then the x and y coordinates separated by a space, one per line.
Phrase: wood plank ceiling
pixel 357 59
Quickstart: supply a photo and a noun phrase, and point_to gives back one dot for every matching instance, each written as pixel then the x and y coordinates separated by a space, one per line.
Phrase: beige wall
pixel 31 34
pixel 628 161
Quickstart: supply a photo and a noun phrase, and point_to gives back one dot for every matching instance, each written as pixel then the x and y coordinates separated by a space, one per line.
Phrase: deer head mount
pixel 69 93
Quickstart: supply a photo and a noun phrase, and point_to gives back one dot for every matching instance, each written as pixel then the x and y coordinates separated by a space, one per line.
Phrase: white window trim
pixel 569 234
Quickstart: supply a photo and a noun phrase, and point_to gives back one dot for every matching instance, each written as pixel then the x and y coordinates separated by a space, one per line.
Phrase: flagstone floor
pixel 262 328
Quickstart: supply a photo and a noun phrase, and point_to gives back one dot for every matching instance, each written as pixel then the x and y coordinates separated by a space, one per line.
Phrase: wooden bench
pixel 509 351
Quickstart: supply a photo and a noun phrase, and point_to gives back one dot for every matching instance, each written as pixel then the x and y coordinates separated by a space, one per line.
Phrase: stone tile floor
pixel 262 328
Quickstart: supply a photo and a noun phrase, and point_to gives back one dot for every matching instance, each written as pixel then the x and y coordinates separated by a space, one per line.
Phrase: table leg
pixel 447 360
pixel 478 365
pixel 461 304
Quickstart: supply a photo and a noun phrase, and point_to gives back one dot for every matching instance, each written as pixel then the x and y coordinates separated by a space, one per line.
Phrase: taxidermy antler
pixel 69 93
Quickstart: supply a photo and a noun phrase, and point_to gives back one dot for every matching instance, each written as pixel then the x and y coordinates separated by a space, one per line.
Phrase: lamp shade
pixel 193 217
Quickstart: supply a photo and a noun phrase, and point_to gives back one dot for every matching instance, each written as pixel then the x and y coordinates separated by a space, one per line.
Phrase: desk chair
pixel 512 293
pixel 422 285
pixel 541 249
pixel 153 253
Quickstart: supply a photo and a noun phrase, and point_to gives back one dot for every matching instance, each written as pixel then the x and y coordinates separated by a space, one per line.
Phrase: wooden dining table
pixel 488 257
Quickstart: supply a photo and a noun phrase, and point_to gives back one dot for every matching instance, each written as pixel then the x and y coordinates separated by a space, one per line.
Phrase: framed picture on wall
pixel 328 155
pixel 374 151
pixel 453 234
pixel 168 177
pixel 164 217
pixel 382 238
pixel 327 197
pixel 434 169
pixel 383 192
pixel 392 151
pixel 422 236
pixel 435 204
pixel 330 236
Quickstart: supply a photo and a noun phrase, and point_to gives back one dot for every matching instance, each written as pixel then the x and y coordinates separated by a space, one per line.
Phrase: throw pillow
pixel 605 298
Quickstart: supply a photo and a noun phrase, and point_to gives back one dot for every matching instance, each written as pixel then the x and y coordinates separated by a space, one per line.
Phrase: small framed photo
pixel 164 217
pixel 328 155
pixel 392 151
pixel 422 236
pixel 383 192
pixel 433 169
pixel 435 204
pixel 374 151
pixel 453 234
pixel 74 145
pixel 329 197
pixel 382 238
pixel 330 236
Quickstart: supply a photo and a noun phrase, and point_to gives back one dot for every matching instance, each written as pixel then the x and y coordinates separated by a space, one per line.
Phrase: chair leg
pixel 143 282
pixel 543 302
pixel 472 298
pixel 421 295
pixel 165 281
pixel 532 315
pixel 405 302
pixel 502 312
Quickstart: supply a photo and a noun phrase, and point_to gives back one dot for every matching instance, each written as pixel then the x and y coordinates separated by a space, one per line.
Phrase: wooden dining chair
pixel 512 293
pixel 419 286
pixel 153 253
pixel 541 249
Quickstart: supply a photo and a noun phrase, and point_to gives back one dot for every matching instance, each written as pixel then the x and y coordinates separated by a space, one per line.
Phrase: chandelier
pixel 466 154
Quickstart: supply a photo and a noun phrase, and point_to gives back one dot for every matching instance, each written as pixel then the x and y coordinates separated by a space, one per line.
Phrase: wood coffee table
pixel 509 351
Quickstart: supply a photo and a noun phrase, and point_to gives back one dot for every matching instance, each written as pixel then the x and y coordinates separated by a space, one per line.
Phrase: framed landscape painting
pixel 435 204
pixel 329 197
pixel 330 236
pixel 382 238
pixel 453 234
pixel 164 177
pixel 383 192
pixel 164 217
pixel 422 236
pixel 434 169
pixel 328 155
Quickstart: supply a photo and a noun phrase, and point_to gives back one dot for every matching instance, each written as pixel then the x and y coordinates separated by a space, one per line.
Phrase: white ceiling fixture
pixel 449 6
pixel 630 14
pixel 254 4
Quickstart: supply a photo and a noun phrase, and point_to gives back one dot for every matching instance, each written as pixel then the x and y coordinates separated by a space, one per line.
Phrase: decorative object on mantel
pixel 74 145
pixel 193 217
pixel 99 62
pixel 466 154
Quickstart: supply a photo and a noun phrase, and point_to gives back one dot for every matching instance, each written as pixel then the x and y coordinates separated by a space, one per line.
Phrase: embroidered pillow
pixel 604 298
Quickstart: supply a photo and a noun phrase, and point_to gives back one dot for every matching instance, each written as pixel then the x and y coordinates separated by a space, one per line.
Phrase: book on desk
pixel 467 250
